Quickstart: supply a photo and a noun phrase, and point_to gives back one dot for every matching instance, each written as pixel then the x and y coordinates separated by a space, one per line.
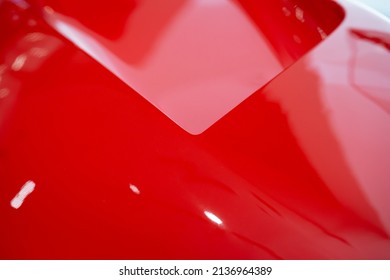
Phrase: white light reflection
pixel 27 189
pixel 19 62
pixel 213 218
pixel 299 14
pixel 322 33
pixel 134 189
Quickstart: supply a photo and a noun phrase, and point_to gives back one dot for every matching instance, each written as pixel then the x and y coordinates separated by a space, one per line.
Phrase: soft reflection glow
pixel 21 4
pixel 27 189
pixel 4 92
pixel 210 3
pixel 322 33
pixel 134 189
pixel 381 6
pixel 3 67
pixel 32 22
pixel 48 10
pixel 19 62
pixel 297 39
pixel 35 37
pixel 286 11
pixel 213 218
pixel 39 52
pixel 195 65
pixel 299 14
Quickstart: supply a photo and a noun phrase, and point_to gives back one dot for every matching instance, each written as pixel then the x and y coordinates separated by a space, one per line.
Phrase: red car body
pixel 194 130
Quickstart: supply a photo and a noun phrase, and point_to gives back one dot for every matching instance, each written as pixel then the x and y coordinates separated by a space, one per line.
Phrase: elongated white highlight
pixel 27 189
pixel 19 62
pixel 134 189
pixel 213 218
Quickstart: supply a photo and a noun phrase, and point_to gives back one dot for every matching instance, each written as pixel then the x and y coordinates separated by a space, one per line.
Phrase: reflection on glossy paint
pixel 32 22
pixel 322 33
pixel 19 62
pixel 134 189
pixel 370 66
pixel 264 247
pixel 34 37
pixel 297 39
pixel 286 11
pixel 39 52
pixel 299 14
pixel 48 10
pixel 380 6
pixel 3 67
pixel 27 189
pixel 2 70
pixel 33 50
pixel 346 137
pixel 212 217
pixel 203 58
pixel 206 58
pixel 264 157
pixel 4 92
pixel 21 4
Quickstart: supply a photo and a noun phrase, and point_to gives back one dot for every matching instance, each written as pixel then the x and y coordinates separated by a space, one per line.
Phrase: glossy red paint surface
pixel 299 170
pixel 195 60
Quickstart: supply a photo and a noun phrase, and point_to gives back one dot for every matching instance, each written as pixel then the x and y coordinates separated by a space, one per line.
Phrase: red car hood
pixel 295 168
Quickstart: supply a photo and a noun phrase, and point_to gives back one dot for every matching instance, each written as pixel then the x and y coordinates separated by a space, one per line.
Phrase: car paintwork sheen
pixel 299 170
pixel 193 61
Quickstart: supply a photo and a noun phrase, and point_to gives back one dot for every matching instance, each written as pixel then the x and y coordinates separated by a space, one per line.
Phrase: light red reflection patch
pixel 194 60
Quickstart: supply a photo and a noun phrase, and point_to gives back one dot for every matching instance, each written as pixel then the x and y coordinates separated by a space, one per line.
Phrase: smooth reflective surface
pixel 25 191
pixel 296 171
pixel 196 60
pixel 370 64
pixel 381 6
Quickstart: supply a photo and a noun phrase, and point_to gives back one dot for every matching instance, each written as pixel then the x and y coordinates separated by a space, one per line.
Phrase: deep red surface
pixel 297 170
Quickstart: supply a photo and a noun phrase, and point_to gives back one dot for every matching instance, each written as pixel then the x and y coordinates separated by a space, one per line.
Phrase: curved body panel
pixel 91 169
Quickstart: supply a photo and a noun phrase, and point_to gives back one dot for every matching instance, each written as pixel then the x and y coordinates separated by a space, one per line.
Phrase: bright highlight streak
pixel 134 189
pixel 27 189
pixel 213 218
pixel 19 62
